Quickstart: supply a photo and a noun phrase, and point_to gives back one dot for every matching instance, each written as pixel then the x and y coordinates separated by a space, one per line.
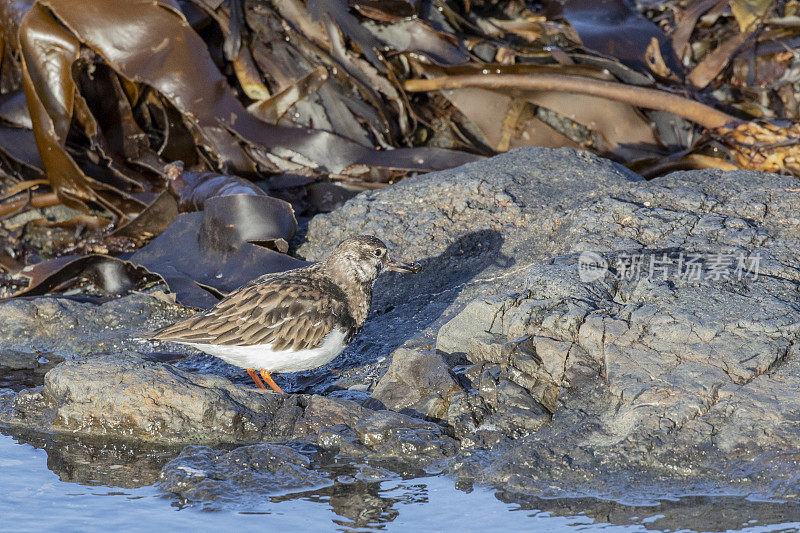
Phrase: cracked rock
pixel 418 383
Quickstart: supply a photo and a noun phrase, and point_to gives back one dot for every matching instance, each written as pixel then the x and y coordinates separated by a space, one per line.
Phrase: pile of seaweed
pixel 176 141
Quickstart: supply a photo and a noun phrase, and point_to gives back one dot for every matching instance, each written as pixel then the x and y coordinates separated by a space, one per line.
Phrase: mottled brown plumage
pixel 291 310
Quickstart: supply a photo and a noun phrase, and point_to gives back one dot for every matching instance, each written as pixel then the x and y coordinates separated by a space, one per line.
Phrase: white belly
pixel 262 356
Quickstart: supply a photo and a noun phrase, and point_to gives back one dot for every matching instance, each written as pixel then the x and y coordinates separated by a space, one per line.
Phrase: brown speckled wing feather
pixel 290 311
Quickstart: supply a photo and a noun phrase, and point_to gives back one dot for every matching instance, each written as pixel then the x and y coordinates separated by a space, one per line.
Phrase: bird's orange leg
pixel 255 378
pixel 269 381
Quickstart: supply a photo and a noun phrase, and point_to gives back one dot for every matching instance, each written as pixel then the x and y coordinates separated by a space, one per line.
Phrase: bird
pixel 294 320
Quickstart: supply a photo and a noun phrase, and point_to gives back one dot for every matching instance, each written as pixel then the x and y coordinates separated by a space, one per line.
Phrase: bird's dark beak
pixel 402 266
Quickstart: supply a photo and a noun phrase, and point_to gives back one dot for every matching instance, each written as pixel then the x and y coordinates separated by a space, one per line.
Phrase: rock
pixel 418 383
pixel 472 228
pixel 243 476
pixel 355 431
pixel 523 191
pixel 69 329
pixel 498 404
pixel 635 372
pixel 676 376
pixel 22 369
pixel 517 413
pixel 38 333
pixel 132 397
pixel 11 360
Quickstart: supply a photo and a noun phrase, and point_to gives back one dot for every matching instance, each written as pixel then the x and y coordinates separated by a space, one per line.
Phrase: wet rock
pixel 127 396
pixel 321 412
pixel 517 413
pixel 23 369
pixel 244 475
pixel 394 435
pixel 11 360
pixel 418 383
pixel 544 381
pixel 130 396
pixel 63 328
pixel 352 430
pixel 496 406
pixel 37 333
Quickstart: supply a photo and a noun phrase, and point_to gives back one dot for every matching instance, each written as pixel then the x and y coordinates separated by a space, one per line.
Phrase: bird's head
pixel 364 258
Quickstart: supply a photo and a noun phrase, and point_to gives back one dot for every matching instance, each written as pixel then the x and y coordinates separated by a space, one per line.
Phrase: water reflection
pixel 361 496
pixel 25 369
pixel 95 461
pixel 357 504
pixel 693 513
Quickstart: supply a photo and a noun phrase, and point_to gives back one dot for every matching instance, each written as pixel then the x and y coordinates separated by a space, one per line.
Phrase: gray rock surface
pixel 498 361
pixel 661 373
pixel 678 376
pixel 128 396
pixel 351 430
pixel 418 383
pixel 37 333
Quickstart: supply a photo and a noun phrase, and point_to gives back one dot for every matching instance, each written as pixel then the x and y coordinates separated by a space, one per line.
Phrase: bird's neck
pixel 358 294
pixel 360 301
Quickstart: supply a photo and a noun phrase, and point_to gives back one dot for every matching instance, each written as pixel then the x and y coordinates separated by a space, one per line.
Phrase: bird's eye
pixel 378 252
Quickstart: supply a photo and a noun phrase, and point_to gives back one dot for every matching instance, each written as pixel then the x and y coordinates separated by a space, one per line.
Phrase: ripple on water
pixel 67 485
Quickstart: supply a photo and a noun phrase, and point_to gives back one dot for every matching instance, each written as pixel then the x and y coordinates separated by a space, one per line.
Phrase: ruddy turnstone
pixel 291 321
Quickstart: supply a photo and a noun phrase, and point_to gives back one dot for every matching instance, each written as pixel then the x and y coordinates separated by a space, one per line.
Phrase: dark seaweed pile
pixel 158 141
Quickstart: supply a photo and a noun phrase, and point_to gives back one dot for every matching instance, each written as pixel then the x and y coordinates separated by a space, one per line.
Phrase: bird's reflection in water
pixel 366 496
pixel 360 504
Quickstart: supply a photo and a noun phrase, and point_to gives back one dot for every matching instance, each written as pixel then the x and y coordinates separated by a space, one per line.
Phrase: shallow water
pixel 33 498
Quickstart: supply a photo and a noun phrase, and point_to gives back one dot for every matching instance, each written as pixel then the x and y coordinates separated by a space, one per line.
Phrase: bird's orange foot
pixel 269 381
pixel 255 378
